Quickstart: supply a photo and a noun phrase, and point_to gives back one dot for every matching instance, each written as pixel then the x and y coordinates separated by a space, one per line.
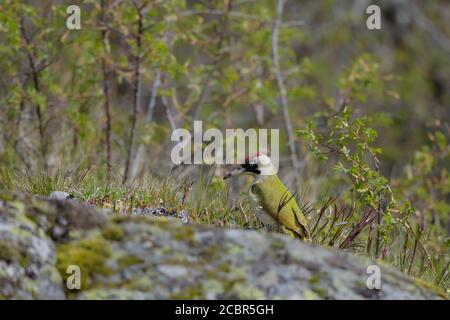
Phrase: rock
pixel 60 195
pixel 183 216
pixel 27 257
pixel 146 257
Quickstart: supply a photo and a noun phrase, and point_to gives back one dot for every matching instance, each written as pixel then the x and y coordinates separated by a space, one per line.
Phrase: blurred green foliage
pixel 377 105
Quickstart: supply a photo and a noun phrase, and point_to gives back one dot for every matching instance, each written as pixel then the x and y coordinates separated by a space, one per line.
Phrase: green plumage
pixel 274 199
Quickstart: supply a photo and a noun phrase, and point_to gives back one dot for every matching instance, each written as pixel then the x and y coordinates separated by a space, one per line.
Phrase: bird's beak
pixel 234 172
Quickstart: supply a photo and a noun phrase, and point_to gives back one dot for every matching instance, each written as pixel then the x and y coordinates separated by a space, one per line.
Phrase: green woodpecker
pixel 271 200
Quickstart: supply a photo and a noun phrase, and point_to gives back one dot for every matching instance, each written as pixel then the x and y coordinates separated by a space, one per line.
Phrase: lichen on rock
pixel 143 257
pixel 27 256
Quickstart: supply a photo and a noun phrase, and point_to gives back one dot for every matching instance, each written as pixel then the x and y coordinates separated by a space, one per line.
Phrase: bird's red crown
pixel 258 154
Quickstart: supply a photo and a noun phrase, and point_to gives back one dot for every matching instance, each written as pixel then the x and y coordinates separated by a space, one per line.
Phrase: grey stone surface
pixel 60 195
pixel 143 257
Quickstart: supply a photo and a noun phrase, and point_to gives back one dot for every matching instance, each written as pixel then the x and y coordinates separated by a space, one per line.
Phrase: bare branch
pixel 148 119
pixel 137 89
pixel 438 37
pixel 31 55
pixel 283 94
pixel 106 104
pixel 195 109
pixel 238 15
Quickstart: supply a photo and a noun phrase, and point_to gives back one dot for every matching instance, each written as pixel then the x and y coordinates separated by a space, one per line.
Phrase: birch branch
pixel 148 119
pixel 32 60
pixel 137 89
pixel 283 94
pixel 105 87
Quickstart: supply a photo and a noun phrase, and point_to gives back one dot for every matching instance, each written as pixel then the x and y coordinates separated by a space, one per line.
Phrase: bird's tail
pixel 302 231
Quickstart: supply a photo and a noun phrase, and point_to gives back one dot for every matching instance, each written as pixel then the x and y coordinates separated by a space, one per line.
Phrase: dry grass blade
pixel 282 203
pixel 366 220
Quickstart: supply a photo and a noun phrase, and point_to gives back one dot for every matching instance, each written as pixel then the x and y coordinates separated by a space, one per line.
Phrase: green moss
pixel 89 254
pixel 129 260
pixel 277 244
pixel 361 284
pixel 9 252
pixel 183 233
pixel 245 291
pixel 233 250
pixel 189 293
pixel 19 207
pixel 210 252
pixel 40 206
pixel 322 293
pixel 120 219
pixel 12 252
pixel 310 295
pixel 315 279
pixel 163 222
pixel 425 284
pixel 6 196
pixel 139 284
pixel 113 232
pixel 224 267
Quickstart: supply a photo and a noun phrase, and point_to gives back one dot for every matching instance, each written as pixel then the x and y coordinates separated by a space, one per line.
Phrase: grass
pixel 206 200
pixel 419 253
pixel 333 223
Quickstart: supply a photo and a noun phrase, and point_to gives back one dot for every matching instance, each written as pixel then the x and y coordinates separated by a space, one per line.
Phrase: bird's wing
pixel 302 225
pixel 294 221
pixel 283 208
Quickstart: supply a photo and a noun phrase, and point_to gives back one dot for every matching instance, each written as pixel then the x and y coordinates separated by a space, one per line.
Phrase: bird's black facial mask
pixel 251 168
pixel 246 167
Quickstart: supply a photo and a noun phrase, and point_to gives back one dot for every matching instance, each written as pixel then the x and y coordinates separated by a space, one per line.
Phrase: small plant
pixel 382 220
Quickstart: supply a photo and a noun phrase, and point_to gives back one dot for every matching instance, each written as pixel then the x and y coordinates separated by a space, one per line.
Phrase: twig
pixel 416 240
pixel 148 119
pixel 35 75
pixel 106 104
pixel 169 114
pixel 366 220
pixel 283 95
pixel 321 213
pixel 438 37
pixel 195 109
pixel 238 15
pixel 137 89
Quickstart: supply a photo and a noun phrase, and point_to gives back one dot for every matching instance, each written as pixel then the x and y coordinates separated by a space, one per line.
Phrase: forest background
pixel 363 114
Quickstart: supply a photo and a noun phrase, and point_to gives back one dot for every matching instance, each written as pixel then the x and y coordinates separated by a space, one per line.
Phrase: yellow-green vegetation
pixel 185 234
pixel 11 253
pixel 332 222
pixel 145 257
pixel 128 260
pixel 191 293
pixel 89 254
pixel 112 232
pixel 426 284
pixel 92 113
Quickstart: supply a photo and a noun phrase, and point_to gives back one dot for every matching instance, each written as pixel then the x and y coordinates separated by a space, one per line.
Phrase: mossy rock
pixel 126 257
pixel 112 232
pixel 90 255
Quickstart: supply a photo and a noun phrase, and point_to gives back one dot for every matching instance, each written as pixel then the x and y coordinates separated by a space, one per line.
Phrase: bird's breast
pixel 265 218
